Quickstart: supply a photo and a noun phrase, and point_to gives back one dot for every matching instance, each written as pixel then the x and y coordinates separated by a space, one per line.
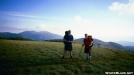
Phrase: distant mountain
pixel 8 34
pixel 130 48
pixel 42 35
pixel 103 44
pixel 45 35
pixel 126 43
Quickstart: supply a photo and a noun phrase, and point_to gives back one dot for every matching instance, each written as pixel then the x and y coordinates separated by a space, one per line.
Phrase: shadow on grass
pixel 11 67
pixel 37 62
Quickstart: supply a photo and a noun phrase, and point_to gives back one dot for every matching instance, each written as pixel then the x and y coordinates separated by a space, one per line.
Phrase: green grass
pixel 44 58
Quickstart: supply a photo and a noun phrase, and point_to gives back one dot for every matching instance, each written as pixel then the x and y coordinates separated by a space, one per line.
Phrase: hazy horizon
pixel 107 20
pixel 114 39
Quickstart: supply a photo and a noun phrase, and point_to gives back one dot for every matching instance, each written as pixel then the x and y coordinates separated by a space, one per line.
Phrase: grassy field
pixel 44 58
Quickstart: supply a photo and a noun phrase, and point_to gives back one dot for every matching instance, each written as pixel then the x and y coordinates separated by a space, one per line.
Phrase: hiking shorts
pixel 87 50
pixel 68 47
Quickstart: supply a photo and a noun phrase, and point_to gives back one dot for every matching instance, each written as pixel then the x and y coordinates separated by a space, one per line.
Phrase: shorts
pixel 87 50
pixel 68 47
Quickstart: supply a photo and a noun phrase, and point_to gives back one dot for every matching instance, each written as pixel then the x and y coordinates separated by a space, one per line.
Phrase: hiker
pixel 68 40
pixel 87 42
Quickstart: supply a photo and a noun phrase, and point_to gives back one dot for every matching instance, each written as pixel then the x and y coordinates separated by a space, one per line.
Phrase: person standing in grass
pixel 68 40
pixel 87 43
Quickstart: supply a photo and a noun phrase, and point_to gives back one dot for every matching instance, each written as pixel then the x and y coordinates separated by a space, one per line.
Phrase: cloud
pixel 122 8
pixel 77 19
pixel 82 26
pixel 11 29
pixel 80 21
pixel 20 14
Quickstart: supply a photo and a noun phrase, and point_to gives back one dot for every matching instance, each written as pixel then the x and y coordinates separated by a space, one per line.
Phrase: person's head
pixel 90 36
pixel 66 32
pixel 86 35
pixel 69 31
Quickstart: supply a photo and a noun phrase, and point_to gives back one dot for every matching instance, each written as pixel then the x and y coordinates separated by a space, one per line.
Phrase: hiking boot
pixel 63 57
pixel 71 57
pixel 89 59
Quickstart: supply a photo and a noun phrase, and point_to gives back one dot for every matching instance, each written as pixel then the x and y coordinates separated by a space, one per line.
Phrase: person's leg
pixel 65 50
pixel 70 50
pixel 70 54
pixel 89 54
pixel 64 53
pixel 85 51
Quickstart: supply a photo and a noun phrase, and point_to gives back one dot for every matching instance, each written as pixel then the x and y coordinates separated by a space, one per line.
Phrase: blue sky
pixel 107 20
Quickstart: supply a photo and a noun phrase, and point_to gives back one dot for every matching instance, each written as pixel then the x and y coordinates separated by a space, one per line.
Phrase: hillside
pixel 130 48
pixel 103 44
pixel 47 36
pixel 44 58
pixel 126 43
pixel 8 34
pixel 42 35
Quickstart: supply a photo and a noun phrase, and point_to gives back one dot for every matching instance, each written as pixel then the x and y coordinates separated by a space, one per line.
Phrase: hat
pixel 90 36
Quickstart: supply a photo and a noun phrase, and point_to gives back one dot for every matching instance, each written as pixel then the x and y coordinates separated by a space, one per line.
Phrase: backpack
pixel 65 37
pixel 89 40
pixel 92 42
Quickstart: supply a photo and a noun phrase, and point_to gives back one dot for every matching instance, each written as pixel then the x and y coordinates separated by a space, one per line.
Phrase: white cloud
pixel 122 8
pixel 77 19
pixel 20 14
pixel 80 21
pixel 82 26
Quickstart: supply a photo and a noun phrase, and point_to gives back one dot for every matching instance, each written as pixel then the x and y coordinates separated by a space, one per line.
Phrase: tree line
pixel 15 38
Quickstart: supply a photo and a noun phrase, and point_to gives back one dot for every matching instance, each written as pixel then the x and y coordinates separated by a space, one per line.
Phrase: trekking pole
pixel 80 51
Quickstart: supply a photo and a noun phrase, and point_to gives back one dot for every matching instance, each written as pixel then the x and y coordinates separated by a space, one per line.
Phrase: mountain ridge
pixel 126 43
pixel 103 44
pixel 48 36
pixel 34 35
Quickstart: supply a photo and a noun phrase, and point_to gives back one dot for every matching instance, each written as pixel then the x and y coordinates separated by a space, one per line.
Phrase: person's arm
pixel 72 39
pixel 64 39
pixel 91 43
pixel 83 43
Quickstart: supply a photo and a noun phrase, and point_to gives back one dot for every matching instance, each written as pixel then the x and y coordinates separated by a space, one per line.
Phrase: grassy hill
pixel 44 58
pixel 99 43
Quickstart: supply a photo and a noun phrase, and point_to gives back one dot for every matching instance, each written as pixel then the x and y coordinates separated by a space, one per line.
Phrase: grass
pixel 44 58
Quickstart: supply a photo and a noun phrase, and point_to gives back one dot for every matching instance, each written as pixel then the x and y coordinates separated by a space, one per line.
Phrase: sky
pixel 107 20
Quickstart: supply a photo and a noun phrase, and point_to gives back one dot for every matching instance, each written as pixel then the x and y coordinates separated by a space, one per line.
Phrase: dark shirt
pixel 68 38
